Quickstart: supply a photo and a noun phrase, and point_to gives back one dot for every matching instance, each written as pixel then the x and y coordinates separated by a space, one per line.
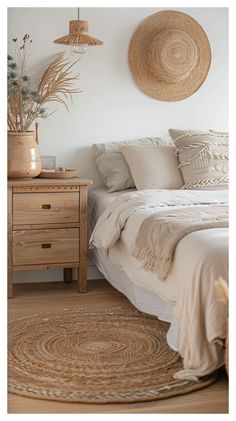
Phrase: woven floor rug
pixel 95 356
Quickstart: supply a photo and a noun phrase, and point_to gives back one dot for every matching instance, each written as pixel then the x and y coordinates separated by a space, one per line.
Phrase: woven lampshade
pixel 78 34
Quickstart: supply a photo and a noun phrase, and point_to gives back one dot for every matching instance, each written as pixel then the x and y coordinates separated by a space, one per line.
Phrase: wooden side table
pixel 47 227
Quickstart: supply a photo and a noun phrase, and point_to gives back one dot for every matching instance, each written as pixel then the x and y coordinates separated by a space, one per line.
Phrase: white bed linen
pixel 191 264
pixel 141 294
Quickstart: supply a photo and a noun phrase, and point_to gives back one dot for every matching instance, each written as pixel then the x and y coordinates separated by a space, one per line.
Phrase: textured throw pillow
pixel 153 166
pixel 203 158
pixel 112 165
pixel 224 134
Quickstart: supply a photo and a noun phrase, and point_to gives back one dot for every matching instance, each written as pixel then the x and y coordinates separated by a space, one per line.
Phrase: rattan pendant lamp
pixel 78 37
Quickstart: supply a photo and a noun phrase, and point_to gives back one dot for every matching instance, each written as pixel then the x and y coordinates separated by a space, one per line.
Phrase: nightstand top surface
pixel 48 181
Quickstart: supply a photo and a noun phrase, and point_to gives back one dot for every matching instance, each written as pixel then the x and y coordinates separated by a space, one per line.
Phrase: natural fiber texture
pixel 78 34
pixel 58 174
pixel 169 55
pixel 81 355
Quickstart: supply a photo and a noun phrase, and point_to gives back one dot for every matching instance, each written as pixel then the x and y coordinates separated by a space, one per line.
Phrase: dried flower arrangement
pixel 26 105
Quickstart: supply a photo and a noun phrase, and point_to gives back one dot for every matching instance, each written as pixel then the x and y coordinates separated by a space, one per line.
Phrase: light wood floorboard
pixel 32 297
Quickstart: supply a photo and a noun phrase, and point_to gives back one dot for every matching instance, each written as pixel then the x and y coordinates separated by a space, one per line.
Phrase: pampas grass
pixel 222 290
pixel 26 105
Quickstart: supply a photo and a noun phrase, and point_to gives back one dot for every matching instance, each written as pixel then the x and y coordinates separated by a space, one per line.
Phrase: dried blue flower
pixel 25 92
pixel 14 39
pixel 9 57
pixel 14 83
pixel 38 99
pixel 26 36
pixel 34 94
pixel 42 111
pixel 26 78
pixel 12 65
pixel 12 75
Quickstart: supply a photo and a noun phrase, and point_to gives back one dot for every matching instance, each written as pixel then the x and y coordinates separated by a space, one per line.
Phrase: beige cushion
pixel 112 165
pixel 203 158
pixel 153 166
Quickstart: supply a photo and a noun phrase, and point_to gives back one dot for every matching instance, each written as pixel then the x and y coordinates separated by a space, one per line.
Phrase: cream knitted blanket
pixel 160 233
pixel 170 215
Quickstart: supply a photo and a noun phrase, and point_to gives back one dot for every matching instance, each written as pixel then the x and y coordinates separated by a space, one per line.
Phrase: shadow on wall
pixel 83 160
pixel 38 68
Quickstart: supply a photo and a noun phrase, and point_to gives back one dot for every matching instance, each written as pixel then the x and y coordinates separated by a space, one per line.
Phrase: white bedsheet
pixel 200 258
pixel 140 293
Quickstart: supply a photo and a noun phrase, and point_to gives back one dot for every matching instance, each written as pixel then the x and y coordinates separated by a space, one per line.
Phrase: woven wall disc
pixel 169 56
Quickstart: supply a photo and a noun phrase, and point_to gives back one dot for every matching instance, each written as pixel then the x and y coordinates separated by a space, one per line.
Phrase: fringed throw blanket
pixel 169 217
pixel 160 233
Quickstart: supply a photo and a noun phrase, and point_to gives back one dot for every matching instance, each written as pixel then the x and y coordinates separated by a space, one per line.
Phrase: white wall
pixel 111 106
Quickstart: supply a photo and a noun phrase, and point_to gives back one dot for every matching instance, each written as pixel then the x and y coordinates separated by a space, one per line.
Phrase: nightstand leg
pixel 10 245
pixel 82 270
pixel 82 280
pixel 10 282
pixel 67 275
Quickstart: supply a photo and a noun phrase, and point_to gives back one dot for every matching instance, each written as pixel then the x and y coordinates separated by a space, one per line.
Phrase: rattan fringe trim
pixel 78 39
pixel 102 356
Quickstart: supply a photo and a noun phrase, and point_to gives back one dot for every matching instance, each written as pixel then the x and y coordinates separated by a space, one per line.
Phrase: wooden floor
pixel 30 297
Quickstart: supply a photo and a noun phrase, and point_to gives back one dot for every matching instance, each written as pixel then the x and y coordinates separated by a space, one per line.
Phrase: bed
pixel 177 283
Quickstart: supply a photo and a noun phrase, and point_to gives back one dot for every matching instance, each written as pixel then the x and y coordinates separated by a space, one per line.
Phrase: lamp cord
pixel 78 13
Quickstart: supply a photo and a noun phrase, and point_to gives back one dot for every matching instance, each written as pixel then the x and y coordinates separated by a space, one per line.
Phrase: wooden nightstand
pixel 47 227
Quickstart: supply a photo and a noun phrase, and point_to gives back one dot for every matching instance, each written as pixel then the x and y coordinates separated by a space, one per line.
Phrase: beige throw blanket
pixel 160 233
pixel 169 218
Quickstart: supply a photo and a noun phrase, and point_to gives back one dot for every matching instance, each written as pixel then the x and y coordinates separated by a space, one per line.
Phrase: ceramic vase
pixel 23 155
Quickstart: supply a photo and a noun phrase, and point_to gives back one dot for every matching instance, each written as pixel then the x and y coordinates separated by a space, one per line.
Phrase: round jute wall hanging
pixel 94 356
pixel 169 55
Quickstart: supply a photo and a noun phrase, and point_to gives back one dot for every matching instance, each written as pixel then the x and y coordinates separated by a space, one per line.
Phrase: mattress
pixel 140 293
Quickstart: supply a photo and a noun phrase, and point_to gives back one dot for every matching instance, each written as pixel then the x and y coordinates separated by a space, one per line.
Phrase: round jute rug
pixel 95 356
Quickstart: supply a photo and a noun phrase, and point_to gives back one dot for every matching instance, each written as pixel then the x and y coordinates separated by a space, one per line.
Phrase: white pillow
pixel 203 158
pixel 153 166
pixel 112 165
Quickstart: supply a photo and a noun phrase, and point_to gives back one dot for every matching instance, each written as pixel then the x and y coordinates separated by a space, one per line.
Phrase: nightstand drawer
pixel 43 208
pixel 45 246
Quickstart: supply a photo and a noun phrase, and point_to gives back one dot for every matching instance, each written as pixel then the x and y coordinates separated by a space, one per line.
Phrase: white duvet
pixel 200 258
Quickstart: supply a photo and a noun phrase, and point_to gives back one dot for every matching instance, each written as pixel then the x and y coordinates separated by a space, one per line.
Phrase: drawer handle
pixel 46 206
pixel 46 246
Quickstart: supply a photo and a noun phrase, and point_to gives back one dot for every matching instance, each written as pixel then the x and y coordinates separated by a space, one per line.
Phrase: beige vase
pixel 23 155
